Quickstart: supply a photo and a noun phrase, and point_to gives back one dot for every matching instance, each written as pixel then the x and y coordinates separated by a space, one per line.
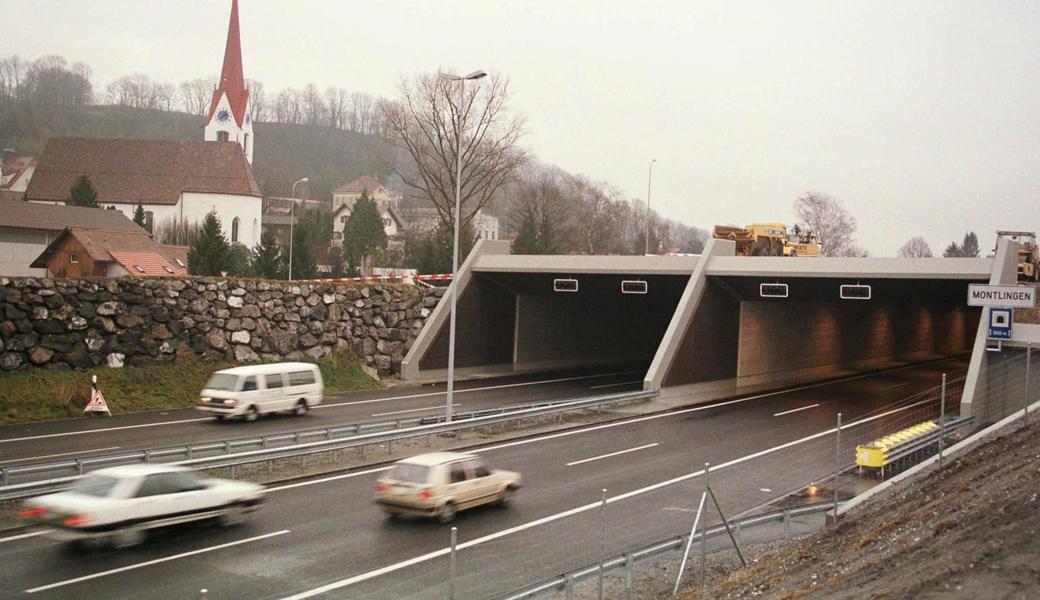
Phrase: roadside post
pixel 1025 393
pixel 942 422
pixel 837 465
pixel 602 542
pixel 97 404
pixel 451 563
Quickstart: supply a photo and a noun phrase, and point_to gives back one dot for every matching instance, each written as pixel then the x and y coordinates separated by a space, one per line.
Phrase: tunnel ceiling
pixel 589 286
pixel 812 289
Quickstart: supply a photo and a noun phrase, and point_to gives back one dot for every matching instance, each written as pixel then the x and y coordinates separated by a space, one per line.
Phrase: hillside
pixel 970 533
pixel 284 153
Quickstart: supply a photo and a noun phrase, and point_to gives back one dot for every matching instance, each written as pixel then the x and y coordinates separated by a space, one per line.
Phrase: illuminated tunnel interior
pixel 518 319
pixel 738 335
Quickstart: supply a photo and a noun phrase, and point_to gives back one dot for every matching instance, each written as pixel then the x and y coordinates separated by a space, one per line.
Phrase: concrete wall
pixel 484 331
pixel 788 339
pixel 709 347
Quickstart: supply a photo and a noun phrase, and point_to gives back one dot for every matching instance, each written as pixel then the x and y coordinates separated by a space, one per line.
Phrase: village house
pixel 101 253
pixel 344 198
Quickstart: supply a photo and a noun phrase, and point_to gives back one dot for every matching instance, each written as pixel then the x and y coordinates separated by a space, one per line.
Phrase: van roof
pixel 268 368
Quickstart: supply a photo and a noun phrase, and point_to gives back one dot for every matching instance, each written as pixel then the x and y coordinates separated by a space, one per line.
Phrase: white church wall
pixel 248 210
pixel 243 135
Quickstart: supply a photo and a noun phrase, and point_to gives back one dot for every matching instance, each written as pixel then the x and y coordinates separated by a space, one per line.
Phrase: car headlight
pixel 204 400
pixel 230 402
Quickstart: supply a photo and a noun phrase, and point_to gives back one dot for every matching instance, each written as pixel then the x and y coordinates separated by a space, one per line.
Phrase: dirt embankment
pixel 973 532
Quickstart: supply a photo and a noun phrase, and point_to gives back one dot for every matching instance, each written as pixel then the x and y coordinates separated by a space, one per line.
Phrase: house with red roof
pixel 105 253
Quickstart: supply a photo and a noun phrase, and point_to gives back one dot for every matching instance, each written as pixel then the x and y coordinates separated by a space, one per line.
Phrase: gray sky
pixel 921 117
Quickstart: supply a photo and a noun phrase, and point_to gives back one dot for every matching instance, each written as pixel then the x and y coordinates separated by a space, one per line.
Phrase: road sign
pixel 1000 320
pixel 1012 296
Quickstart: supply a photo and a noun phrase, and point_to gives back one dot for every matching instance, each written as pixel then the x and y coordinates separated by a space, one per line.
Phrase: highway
pixel 79 438
pixel 325 536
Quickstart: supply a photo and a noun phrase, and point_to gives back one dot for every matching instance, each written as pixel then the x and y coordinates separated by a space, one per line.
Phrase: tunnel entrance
pixel 513 322
pixel 808 331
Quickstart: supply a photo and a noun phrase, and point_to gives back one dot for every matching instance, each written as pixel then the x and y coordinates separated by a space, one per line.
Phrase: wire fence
pixel 607 523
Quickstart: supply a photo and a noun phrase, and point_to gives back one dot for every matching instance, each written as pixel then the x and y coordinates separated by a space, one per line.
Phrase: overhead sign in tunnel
pixel 713 322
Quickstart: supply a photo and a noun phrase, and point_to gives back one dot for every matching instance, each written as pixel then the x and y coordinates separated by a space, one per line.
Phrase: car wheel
pixel 506 496
pixel 127 538
pixel 301 408
pixel 218 417
pixel 252 414
pixel 447 513
pixel 391 515
pixel 234 516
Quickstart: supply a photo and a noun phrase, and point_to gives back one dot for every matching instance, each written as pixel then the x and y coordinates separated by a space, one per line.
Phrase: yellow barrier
pixel 875 454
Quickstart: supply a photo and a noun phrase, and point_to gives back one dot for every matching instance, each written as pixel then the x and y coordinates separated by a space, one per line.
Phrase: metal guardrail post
pixel 628 570
pixel 837 465
pixel 227 447
pixel 79 466
pixel 787 524
pixel 147 456
pixel 704 530
pixel 942 422
pixel 3 476
pixel 568 586
pixel 1025 394
pixel 452 564
pixel 602 542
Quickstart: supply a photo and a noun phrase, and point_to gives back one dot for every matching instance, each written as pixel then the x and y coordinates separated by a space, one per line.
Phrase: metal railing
pixel 301 443
pixel 627 561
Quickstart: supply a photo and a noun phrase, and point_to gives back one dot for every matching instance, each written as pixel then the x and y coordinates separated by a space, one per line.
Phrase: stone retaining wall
pixel 84 323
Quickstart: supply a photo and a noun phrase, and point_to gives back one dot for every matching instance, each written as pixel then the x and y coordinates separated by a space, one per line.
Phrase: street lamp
pixel 649 178
pixel 455 247
pixel 292 217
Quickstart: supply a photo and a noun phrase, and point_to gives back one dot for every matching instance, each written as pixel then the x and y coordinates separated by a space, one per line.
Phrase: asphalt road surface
pixel 79 438
pixel 325 538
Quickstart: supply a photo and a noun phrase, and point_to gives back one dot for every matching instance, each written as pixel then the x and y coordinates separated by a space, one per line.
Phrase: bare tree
pixel 833 225
pixel 915 247
pixel 196 95
pixel 360 112
pixel 541 215
pixel 258 108
pixel 424 119
pixel 314 109
pixel 336 99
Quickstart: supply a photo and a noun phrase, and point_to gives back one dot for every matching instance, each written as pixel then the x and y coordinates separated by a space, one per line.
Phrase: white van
pixel 251 391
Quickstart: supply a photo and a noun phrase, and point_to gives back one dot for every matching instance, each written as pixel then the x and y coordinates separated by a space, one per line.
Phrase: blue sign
pixel 1000 320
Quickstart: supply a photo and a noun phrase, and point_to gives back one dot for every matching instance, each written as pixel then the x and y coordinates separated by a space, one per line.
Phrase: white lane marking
pixel 610 385
pixel 11 460
pixel 21 537
pixel 401 412
pixel 153 562
pixel 895 386
pixel 579 509
pixel 618 453
pixel 54 435
pixel 787 412
pixel 766 490
pixel 480 389
pixel 290 486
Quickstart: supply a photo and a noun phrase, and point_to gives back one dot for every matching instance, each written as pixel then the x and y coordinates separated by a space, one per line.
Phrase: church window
pixel 245 141
pixel 234 230
pixel 222 136
pixel 386 222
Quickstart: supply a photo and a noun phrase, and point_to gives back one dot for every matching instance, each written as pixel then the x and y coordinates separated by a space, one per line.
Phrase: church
pixel 174 181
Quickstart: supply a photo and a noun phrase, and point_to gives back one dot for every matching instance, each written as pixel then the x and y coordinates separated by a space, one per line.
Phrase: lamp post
pixel 649 178
pixel 455 246
pixel 292 217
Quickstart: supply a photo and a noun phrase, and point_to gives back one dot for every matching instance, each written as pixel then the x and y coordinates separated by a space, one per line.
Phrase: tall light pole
pixel 649 178
pixel 455 247
pixel 292 217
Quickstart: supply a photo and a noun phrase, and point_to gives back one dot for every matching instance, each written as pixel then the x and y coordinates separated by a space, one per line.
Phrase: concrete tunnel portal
pixel 702 327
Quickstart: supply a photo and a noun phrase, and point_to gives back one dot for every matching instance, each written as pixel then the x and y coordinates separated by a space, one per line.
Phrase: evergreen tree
pixel 209 254
pixel 952 251
pixel 970 246
pixel 363 232
pixel 239 261
pixel 268 261
pixel 139 215
pixel 303 265
pixel 435 252
pixel 82 193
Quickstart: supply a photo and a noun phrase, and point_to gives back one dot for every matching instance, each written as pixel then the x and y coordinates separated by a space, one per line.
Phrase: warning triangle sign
pixel 97 403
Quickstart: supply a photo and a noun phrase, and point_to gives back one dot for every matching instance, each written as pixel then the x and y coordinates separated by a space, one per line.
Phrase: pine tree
pixel 303 265
pixel 82 193
pixel 209 254
pixel 970 246
pixel 363 232
pixel 268 261
pixel 139 215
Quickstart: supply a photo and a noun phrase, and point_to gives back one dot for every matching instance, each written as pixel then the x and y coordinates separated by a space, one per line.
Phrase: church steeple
pixel 228 118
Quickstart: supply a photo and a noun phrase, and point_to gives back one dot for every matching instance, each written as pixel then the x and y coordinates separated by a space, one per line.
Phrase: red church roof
pixel 232 81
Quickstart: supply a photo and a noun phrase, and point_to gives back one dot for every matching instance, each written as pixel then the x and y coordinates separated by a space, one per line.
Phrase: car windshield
pixel 95 485
pixel 222 382
pixel 409 473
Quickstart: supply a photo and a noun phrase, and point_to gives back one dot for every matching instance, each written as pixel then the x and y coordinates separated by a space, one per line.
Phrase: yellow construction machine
pixel 1028 253
pixel 769 239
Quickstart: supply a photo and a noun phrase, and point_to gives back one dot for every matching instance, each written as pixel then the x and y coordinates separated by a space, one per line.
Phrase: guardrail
pixel 880 453
pixel 566 581
pixel 299 446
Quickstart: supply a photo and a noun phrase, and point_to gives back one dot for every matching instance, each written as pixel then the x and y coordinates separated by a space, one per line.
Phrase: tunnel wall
pixel 483 331
pixel 583 329
pixel 709 348
pixel 821 340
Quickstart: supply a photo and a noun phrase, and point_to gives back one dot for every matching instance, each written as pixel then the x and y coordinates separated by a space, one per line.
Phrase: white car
pixel 440 484
pixel 120 504
pixel 255 390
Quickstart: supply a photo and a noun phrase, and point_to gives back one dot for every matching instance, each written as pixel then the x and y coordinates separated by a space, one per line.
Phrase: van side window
pixel 301 378
pixel 458 473
pixel 249 384
pixel 273 381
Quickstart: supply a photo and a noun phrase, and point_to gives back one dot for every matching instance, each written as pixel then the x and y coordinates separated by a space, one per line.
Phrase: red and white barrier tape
pixel 386 278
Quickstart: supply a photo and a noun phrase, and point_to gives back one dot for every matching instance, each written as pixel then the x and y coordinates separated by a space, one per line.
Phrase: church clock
pixel 223 115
